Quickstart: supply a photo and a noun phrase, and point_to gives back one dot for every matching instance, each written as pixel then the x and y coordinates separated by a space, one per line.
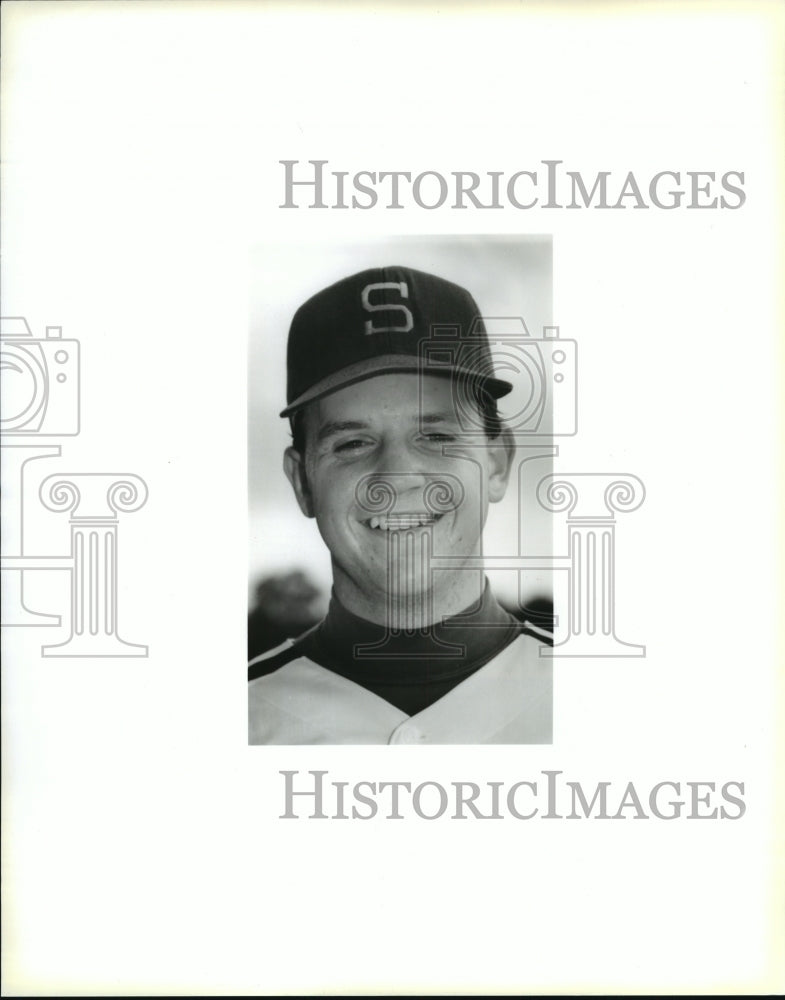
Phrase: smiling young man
pixel 397 452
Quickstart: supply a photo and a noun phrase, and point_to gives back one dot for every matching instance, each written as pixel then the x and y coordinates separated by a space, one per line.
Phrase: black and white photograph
pixel 402 435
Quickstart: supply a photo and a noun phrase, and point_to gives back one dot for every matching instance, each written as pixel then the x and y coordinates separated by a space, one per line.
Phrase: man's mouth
pixel 400 522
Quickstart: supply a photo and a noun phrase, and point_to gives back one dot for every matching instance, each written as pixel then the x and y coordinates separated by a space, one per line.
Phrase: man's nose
pixel 388 491
pixel 400 457
pixel 398 480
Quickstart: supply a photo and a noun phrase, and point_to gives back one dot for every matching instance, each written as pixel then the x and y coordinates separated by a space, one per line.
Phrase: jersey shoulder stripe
pixel 271 652
pixel 273 659
pixel 538 632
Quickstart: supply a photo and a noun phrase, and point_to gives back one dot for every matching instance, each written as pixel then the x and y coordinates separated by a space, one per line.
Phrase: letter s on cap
pixel 403 290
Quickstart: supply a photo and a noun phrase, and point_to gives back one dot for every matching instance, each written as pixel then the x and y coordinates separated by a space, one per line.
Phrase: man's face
pixel 386 440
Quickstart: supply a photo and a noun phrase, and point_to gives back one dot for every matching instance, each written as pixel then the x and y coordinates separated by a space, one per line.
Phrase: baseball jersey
pixel 474 678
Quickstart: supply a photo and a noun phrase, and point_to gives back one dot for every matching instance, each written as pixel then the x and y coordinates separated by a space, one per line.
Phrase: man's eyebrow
pixel 444 417
pixel 338 426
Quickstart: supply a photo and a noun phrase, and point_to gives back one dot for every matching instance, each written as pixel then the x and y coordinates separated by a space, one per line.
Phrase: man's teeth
pixel 399 522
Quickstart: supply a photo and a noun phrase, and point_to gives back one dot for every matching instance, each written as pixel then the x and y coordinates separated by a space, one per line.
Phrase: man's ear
pixel 294 467
pixel 501 451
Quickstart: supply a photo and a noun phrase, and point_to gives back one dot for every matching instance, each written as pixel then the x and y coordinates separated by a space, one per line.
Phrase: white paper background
pixel 142 846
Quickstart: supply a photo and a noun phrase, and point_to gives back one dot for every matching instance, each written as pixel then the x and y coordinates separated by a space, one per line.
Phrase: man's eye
pixel 349 446
pixel 439 437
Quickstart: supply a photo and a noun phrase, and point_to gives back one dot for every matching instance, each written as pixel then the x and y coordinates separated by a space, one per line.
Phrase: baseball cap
pixel 374 323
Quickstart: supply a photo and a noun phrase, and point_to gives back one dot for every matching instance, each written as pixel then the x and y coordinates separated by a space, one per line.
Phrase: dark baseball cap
pixel 375 323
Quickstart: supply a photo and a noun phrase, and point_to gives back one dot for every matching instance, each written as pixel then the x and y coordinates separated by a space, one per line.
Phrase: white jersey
pixel 508 700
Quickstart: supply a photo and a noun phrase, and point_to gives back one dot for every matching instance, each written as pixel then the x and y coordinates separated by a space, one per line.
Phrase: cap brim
pixel 388 364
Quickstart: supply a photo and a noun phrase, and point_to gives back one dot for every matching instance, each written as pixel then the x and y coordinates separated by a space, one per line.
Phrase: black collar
pixel 361 650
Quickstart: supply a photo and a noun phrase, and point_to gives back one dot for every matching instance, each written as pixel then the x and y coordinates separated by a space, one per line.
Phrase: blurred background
pixel 289 566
